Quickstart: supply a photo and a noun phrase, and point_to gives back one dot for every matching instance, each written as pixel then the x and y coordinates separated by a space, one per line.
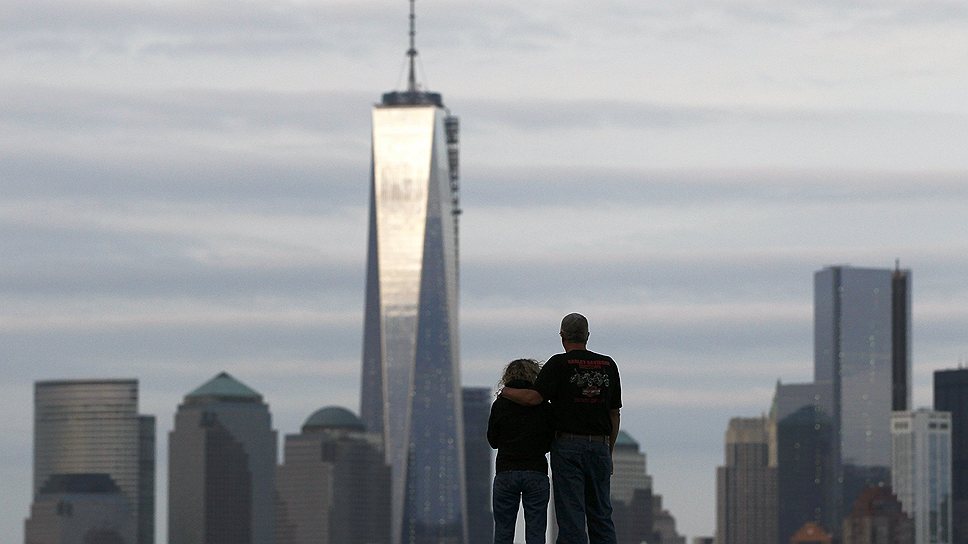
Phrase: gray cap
pixel 574 328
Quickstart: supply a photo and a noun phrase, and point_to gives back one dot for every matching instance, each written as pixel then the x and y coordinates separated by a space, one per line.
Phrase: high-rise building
pixel 951 395
pixel 876 517
pixel 477 461
pixel 411 380
pixel 631 492
pixel 221 467
pixel 862 332
pixel 746 486
pixel 80 509
pixel 921 472
pixel 93 427
pixel 334 486
pixel 801 448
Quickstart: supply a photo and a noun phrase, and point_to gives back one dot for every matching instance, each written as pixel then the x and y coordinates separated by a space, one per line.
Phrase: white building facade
pixel 921 472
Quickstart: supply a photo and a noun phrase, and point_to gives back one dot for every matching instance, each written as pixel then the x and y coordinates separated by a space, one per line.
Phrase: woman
pixel 522 435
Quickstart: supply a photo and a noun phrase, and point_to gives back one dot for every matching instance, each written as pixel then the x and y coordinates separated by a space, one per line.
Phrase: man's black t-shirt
pixel 583 387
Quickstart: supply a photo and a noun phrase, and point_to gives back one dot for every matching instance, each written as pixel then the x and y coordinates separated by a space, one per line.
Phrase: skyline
pixel 185 192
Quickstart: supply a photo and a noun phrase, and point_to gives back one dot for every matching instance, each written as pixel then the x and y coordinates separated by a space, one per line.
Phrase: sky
pixel 183 190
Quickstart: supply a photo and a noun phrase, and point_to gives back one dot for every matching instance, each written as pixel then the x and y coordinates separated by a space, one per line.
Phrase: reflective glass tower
pixel 411 385
pixel 862 334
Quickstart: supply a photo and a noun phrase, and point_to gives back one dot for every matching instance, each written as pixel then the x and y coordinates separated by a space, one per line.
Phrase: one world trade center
pixel 411 380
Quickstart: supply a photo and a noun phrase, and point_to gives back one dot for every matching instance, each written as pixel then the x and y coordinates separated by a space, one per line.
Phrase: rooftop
pixel 333 417
pixel 224 387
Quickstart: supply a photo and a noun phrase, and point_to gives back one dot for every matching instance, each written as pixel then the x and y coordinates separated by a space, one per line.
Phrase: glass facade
pixel 921 472
pixel 951 395
pixel 93 427
pixel 861 347
pixel 411 384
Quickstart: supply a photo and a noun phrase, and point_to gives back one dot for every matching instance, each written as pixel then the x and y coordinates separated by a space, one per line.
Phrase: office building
pixel 221 467
pixel 862 332
pixel 334 484
pixel 93 427
pixel 410 387
pixel 477 460
pixel 921 472
pixel 80 509
pixel 631 492
pixel 876 517
pixel 746 486
pixel 951 395
pixel 802 440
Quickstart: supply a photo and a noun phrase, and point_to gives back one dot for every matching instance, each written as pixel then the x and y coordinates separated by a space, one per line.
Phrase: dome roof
pixel 333 417
pixel 224 387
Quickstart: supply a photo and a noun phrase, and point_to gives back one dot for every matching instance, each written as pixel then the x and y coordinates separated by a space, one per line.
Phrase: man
pixel 586 395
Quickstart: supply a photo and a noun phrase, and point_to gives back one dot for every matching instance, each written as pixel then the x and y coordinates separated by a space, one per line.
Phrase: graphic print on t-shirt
pixel 590 382
pixel 590 376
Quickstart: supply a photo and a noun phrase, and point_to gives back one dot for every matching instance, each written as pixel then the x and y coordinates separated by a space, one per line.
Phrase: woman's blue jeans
pixel 526 487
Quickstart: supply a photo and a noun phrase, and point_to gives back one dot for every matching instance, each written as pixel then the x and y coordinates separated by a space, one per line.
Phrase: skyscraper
pixel 951 395
pixel 631 492
pixel 411 381
pixel 921 472
pixel 802 442
pixel 477 460
pixel 93 427
pixel 862 332
pixel 334 486
pixel 221 467
pixel 746 486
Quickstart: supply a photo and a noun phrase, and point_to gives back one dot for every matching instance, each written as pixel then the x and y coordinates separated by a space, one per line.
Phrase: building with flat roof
pixel 93 427
pixel 951 395
pixel 862 348
pixel 410 387
pixel 921 472
pixel 746 485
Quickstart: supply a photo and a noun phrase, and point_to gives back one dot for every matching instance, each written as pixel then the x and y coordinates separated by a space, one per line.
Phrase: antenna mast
pixel 412 52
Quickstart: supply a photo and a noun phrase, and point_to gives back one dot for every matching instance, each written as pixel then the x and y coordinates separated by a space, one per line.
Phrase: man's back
pixel 583 386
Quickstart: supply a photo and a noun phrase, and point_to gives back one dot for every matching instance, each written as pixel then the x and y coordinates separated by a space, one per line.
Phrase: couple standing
pixel 571 406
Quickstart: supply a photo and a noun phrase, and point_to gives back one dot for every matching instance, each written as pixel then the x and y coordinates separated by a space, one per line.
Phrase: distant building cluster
pixel 845 459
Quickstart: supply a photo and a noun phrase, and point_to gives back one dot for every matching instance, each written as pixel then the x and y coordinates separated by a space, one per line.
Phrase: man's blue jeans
pixel 581 471
pixel 526 487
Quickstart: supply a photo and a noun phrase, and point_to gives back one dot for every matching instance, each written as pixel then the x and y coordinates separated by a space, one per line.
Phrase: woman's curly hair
pixel 520 369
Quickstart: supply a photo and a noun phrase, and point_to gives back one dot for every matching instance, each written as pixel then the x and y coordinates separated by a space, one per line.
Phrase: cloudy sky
pixel 184 190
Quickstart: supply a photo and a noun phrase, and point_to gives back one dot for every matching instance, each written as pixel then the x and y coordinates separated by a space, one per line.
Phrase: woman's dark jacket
pixel 520 434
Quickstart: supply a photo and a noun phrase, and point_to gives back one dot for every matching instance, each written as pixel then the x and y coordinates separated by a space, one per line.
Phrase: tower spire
pixel 412 52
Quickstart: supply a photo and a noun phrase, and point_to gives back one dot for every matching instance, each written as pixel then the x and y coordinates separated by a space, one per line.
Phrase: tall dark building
pixel 221 467
pixel 746 486
pixel 334 486
pixel 803 446
pixel 951 395
pixel 862 331
pixel 411 380
pixel 477 459
pixel 93 427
